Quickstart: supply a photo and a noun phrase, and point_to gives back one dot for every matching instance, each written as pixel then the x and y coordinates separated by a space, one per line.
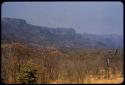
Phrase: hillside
pixel 43 55
pixel 18 30
pixel 79 66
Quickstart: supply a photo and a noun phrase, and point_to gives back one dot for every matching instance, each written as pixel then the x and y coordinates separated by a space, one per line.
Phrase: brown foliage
pixel 53 65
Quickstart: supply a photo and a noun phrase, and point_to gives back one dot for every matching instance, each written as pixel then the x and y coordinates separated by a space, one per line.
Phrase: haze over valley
pixel 62 43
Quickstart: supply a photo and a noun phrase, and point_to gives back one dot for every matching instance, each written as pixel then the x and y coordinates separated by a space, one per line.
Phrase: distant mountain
pixel 18 30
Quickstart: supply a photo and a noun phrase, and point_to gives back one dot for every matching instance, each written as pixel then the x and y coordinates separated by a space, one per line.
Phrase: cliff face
pixel 18 30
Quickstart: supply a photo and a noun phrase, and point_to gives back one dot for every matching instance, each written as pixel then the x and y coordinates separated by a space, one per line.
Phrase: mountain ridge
pixel 18 30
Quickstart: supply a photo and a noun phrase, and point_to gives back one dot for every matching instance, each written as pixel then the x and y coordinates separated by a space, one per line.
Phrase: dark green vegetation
pixel 27 74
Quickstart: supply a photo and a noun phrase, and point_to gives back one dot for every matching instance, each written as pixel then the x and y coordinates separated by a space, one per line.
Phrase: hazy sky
pixel 90 17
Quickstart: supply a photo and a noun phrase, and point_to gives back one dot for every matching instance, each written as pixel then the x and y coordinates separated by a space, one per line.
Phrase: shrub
pixel 27 74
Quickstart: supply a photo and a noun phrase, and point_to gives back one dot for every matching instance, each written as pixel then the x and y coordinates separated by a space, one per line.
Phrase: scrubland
pixel 23 64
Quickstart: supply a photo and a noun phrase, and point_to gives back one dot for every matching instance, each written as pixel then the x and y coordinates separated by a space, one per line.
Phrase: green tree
pixel 27 74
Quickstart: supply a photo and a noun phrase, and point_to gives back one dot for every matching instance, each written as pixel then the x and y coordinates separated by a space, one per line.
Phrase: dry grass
pixel 106 81
pixel 116 80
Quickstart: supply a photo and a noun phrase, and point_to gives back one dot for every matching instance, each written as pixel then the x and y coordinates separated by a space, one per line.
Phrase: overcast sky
pixel 90 17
